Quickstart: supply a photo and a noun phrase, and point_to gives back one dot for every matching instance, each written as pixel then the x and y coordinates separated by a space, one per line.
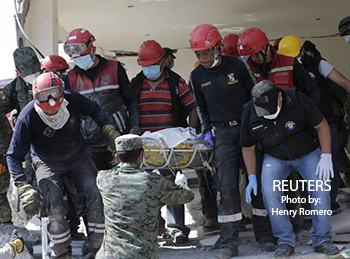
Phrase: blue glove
pixel 208 137
pixel 253 185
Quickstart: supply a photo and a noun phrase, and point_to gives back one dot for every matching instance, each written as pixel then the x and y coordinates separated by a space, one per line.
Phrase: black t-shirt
pixel 290 135
pixel 221 92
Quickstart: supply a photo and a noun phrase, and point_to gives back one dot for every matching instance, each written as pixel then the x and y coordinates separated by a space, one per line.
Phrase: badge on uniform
pixel 2 95
pixel 231 79
pixel 290 125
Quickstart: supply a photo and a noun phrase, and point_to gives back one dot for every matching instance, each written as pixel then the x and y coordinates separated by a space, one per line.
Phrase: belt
pixel 233 123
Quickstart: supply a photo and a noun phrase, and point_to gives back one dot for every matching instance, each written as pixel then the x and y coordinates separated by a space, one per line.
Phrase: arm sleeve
pixel 312 113
pixel 90 108
pixel 168 192
pixel 304 82
pixel 202 109
pixel 7 103
pixel 186 95
pixel 19 147
pixel 246 139
pixel 128 96
pixel 325 68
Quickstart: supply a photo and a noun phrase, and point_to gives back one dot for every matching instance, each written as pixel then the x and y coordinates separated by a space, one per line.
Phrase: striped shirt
pixel 155 105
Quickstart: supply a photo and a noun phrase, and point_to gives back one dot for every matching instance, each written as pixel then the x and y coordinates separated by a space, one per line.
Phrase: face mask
pixel 152 72
pixel 84 62
pixel 216 58
pixel 29 79
pixel 273 116
pixel 347 39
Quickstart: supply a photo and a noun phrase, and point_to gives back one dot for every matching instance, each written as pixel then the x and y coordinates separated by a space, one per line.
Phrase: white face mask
pixel 216 58
pixel 273 116
pixel 347 38
pixel 29 79
pixel 56 121
pixel 84 62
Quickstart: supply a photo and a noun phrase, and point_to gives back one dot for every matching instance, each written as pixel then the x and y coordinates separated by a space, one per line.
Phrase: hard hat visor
pixel 76 49
pixel 45 94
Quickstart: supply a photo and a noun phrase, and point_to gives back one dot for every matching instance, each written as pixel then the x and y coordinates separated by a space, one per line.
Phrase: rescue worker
pixel 132 198
pixel 169 57
pixel 13 97
pixel 164 101
pixel 50 127
pixel 105 82
pixel 221 85
pixel 323 73
pixel 206 185
pixel 229 47
pixel 59 66
pixel 344 29
pixel 281 119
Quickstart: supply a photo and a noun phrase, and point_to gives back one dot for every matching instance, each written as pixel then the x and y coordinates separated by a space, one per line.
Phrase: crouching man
pixel 282 121
pixel 132 199
pixel 50 127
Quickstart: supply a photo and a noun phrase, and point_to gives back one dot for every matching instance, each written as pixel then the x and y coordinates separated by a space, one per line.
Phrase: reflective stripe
pixel 229 218
pixel 257 75
pixel 259 212
pixel 122 120
pixel 99 89
pixel 279 69
pixel 60 238
pixel 96 227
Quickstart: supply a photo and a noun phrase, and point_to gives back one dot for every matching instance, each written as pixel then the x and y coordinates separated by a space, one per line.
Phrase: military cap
pixel 26 61
pixel 264 96
pixel 128 142
pixel 344 26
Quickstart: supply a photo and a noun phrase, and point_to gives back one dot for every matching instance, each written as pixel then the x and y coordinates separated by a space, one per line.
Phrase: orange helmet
pixel 54 63
pixel 48 91
pixel 150 52
pixel 251 41
pixel 78 42
pixel 230 45
pixel 204 36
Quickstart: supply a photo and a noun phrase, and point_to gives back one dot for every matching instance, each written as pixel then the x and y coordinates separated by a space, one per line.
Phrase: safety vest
pixel 281 70
pixel 107 79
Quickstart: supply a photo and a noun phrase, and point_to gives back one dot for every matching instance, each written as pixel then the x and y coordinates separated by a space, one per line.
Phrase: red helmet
pixel 54 63
pixel 204 36
pixel 230 45
pixel 78 42
pixel 150 52
pixel 48 91
pixel 251 41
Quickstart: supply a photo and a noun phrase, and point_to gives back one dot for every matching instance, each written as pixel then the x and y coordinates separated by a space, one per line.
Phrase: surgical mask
pixel 152 72
pixel 84 62
pixel 216 59
pixel 29 79
pixel 347 38
pixel 273 116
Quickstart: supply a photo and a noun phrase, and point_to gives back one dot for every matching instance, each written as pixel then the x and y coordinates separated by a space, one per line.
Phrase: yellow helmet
pixel 290 46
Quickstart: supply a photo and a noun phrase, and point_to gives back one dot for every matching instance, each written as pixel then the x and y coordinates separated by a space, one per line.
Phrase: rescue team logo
pixel 49 132
pixel 2 95
pixel 290 125
pixel 206 84
pixel 231 79
pixel 105 80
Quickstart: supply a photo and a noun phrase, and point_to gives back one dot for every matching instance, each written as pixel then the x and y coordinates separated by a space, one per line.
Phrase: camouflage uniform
pixel 15 95
pixel 132 199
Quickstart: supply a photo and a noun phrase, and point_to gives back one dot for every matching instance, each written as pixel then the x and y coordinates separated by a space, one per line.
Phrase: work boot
pixel 180 238
pixel 267 246
pixel 284 251
pixel 211 226
pixel 327 248
pixel 227 249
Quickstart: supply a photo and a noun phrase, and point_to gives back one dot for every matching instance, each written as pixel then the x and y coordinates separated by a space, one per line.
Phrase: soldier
pixel 132 199
pixel 15 96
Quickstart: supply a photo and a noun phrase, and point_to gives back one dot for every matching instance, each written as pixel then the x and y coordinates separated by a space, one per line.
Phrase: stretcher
pixel 190 154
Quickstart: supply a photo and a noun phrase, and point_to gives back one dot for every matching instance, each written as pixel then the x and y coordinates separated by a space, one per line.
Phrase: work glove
pixel 180 179
pixel 208 137
pixel 110 135
pixel 27 200
pixel 252 186
pixel 324 168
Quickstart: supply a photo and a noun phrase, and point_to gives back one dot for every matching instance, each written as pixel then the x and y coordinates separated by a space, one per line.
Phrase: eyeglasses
pixel 44 95
pixel 75 49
